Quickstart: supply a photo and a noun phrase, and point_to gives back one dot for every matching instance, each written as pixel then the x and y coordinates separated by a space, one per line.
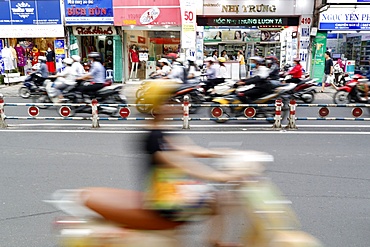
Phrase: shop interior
pixel 281 43
pixel 102 44
pixel 150 46
pixel 24 52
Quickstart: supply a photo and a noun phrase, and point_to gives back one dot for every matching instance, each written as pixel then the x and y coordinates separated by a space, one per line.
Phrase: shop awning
pixel 31 31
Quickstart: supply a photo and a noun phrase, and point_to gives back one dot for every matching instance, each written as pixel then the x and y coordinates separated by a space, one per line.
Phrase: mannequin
pixel 134 59
pixel 21 57
pixel 50 59
pixel 8 58
pixel 35 55
pixel 14 56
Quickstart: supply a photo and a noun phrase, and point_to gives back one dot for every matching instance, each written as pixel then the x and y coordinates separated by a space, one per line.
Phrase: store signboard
pixel 26 12
pixel 188 23
pixel 247 21
pixel 348 1
pixel 59 50
pixel 2 69
pixel 135 12
pixel 88 12
pixel 345 19
pixel 93 30
pixel 318 61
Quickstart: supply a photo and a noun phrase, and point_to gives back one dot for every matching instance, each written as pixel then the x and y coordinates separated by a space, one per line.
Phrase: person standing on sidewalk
pixel 328 71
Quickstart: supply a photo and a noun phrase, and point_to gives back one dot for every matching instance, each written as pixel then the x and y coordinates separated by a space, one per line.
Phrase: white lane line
pixel 191 126
pixel 182 132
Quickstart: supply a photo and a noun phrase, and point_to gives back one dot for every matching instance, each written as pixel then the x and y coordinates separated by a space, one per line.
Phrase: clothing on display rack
pixel 50 60
pixel 21 55
pixel 35 55
pixel 8 58
pixel 14 56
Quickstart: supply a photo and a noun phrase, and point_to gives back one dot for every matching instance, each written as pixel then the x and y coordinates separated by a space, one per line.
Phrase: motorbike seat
pixel 125 207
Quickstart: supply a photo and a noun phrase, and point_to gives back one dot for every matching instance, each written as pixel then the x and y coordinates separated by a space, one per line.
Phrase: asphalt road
pixel 326 175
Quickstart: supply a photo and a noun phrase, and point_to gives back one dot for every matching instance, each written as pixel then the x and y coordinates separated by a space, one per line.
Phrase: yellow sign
pixel 59 51
pixel 188 28
pixel 129 22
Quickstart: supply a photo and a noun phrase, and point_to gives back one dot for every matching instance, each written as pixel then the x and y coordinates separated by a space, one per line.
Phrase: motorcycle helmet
pixel 221 59
pixel 159 92
pixel 258 60
pixel 164 60
pixel 94 54
pixel 209 59
pixel 76 58
pixel 68 61
pixel 297 59
pixel 42 59
pixel 191 59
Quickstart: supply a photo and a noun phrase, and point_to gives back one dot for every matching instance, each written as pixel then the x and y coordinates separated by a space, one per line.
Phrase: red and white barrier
pixel 2 113
pixel 95 116
pixel 186 113
pixel 278 118
pixel 292 118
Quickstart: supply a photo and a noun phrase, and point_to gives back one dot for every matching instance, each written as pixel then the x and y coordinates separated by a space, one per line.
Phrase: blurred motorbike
pixel 352 92
pixel 304 90
pixel 279 91
pixel 95 220
pixel 191 90
pixel 32 85
pixel 109 94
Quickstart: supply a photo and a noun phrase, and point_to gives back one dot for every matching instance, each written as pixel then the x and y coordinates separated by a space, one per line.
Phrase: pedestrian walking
pixel 328 71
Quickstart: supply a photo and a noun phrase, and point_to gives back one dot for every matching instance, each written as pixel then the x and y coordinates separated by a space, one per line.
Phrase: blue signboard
pixel 88 12
pixel 59 51
pixel 345 26
pixel 2 69
pixel 26 12
pixel 363 1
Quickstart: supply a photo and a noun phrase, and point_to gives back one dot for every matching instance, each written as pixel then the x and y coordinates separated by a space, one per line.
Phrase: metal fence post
pixel 95 116
pixel 186 113
pixel 278 106
pixel 2 113
pixel 292 106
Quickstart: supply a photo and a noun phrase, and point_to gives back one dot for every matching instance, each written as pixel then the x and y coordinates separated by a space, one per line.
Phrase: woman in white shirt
pixel 166 66
pixel 223 73
pixel 66 78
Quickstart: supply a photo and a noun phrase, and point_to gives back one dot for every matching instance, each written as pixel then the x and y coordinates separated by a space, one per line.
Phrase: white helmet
pixel 68 61
pixel 42 58
pixel 209 59
pixel 77 58
pixel 259 60
pixel 191 59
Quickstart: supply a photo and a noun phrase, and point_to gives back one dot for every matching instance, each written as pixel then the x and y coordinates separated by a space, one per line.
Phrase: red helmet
pixel 172 56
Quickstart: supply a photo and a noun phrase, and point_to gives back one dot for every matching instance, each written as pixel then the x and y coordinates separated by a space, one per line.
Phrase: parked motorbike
pixel 191 90
pixel 109 94
pixel 279 91
pixel 352 92
pixel 94 220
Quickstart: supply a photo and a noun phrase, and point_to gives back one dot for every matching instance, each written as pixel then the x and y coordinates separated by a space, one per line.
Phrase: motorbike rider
pixel 77 67
pixel 271 63
pixel 222 71
pixel 96 74
pixel 43 70
pixel 211 73
pixel 192 70
pixel 259 79
pixel 296 72
pixel 66 78
pixel 178 71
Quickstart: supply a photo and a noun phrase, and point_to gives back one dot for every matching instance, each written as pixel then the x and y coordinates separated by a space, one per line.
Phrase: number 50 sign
pixel 188 20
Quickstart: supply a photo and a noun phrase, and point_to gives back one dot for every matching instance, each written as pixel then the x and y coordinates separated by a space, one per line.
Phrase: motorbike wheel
pixel 310 99
pixel 142 108
pixel 24 92
pixel 41 99
pixel 341 97
pixel 140 92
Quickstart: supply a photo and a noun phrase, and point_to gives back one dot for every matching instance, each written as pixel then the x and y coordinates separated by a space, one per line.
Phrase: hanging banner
pixel 318 58
pixel 88 12
pixel 188 24
pixel 304 30
pixel 59 50
pixel 2 69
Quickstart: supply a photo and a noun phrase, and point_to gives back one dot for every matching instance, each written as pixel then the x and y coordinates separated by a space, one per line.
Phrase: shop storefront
pixel 347 29
pixel 258 28
pixel 149 33
pixel 90 29
pixel 29 29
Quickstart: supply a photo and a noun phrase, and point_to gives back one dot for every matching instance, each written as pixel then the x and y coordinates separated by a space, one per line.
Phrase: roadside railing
pixel 124 113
